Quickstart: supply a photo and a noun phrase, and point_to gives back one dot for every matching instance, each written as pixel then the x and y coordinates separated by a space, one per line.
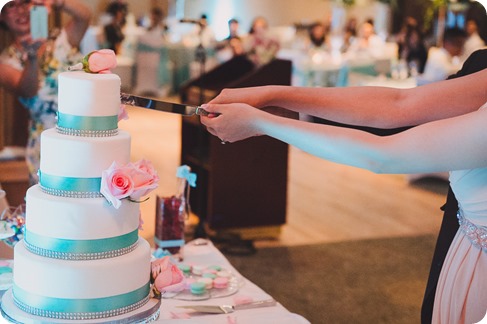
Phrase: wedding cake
pixel 81 257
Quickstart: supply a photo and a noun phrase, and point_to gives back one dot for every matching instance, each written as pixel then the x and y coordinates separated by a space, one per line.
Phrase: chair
pixel 153 70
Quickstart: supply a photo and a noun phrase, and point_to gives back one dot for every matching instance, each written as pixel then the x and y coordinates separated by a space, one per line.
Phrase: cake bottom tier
pixel 98 288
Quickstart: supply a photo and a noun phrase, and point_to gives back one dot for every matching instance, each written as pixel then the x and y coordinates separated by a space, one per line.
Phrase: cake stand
pixel 145 314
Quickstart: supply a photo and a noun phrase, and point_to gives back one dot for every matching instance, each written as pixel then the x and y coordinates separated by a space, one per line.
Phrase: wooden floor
pixel 326 202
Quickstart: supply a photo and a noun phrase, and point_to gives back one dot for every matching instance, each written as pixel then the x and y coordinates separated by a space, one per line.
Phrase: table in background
pixel 209 255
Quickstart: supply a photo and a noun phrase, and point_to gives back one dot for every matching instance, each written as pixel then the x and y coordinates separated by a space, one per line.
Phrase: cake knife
pixel 226 309
pixel 170 107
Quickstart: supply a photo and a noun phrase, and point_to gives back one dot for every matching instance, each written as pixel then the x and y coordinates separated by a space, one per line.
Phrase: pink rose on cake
pixel 100 61
pixel 116 184
pixel 145 178
pixel 122 113
pixel 166 276
pixel 131 181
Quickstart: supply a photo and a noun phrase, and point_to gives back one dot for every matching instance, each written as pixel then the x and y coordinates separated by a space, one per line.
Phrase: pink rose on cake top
pixel 166 276
pixel 131 181
pixel 100 61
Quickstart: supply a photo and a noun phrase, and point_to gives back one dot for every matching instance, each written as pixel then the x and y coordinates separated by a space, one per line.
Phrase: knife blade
pixel 226 309
pixel 170 107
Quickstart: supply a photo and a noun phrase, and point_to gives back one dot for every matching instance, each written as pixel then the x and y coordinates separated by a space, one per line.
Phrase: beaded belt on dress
pixel 475 233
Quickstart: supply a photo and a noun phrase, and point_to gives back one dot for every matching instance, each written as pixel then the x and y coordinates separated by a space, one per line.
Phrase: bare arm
pixel 371 106
pixel 24 83
pixel 77 26
pixel 444 145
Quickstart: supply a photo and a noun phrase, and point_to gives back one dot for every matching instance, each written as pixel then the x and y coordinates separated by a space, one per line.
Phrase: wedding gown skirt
pixel 461 295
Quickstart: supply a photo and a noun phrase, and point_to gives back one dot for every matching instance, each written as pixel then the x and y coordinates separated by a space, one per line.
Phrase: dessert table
pixel 203 252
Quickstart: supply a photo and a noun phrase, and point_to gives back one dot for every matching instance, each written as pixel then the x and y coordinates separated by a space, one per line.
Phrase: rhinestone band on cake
pixel 71 194
pixel 78 256
pixel 86 133
pixel 79 316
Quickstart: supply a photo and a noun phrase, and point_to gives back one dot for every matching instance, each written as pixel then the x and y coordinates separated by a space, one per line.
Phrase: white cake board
pixel 145 314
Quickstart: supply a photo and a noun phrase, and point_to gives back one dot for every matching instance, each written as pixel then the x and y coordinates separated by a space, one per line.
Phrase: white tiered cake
pixel 81 258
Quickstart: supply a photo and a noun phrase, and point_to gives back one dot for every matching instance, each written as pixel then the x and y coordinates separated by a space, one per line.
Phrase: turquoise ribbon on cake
pixel 88 123
pixel 94 305
pixel 69 183
pixel 81 246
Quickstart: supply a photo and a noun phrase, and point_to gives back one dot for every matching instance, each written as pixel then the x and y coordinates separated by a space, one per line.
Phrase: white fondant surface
pixel 78 218
pixel 82 157
pixel 82 279
pixel 87 94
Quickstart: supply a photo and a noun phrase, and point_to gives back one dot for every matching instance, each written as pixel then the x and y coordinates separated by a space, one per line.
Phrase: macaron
pixel 188 282
pixel 197 288
pixel 209 275
pixel 223 273
pixel 215 267
pixel 208 282
pixel 197 270
pixel 186 269
pixel 220 283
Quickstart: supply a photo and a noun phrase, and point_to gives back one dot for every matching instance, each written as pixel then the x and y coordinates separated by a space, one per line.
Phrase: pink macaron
pixel 220 283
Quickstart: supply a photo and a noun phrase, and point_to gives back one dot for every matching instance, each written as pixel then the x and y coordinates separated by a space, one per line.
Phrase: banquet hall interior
pixel 333 243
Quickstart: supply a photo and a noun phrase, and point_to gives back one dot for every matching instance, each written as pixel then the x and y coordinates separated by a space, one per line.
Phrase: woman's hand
pixel 32 46
pixel 235 122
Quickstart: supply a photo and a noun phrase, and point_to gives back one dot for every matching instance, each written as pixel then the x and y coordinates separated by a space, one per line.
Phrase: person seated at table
pixel 451 136
pixel 113 31
pixel 29 68
pixel 413 50
pixel 317 35
pixel 367 43
pixel 259 46
pixel 349 33
pixel 473 41
pixel 445 60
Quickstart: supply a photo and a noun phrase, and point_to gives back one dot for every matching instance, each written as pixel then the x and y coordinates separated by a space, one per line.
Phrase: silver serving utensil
pixel 170 107
pixel 226 309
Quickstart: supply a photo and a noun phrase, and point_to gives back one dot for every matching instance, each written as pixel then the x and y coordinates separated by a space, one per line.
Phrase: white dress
pixel 461 296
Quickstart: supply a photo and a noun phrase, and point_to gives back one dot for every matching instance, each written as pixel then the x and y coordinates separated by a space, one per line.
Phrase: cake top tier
pixel 89 95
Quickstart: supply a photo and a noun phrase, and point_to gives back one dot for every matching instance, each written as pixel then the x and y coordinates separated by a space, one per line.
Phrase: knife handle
pixel 201 112
pixel 256 304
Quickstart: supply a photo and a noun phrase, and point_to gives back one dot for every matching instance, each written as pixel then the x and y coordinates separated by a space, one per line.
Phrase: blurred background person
pixel 113 31
pixel 204 33
pixel 157 27
pixel 349 33
pixel 473 41
pixel 30 67
pixel 367 43
pixel 413 50
pixel 259 46
pixel 445 60
pixel 232 45
pixel 317 35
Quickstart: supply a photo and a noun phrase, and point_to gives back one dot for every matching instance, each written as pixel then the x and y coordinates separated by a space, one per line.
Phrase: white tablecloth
pixel 209 255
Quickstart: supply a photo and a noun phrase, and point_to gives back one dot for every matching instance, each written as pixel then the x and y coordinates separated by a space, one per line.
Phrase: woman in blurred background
pixel 30 67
